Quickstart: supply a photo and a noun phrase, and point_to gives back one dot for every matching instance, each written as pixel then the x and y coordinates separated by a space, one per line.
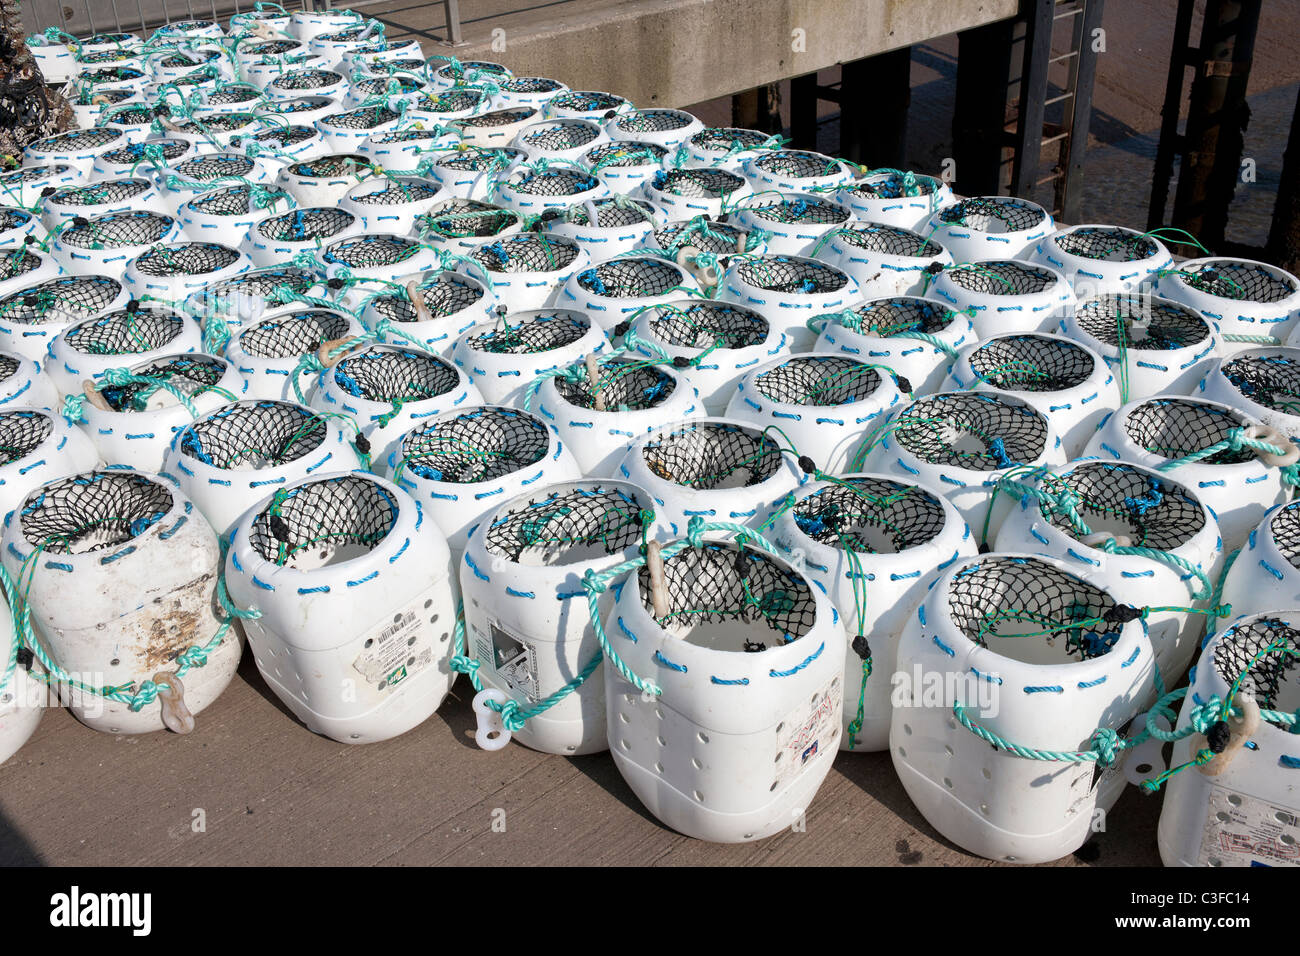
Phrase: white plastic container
pixel 391 205
pixel 896 198
pixel 497 128
pixel 967 640
pixel 990 227
pixel 618 289
pixel 16 225
pixel 460 464
pixel 123 586
pixel 1262 382
pixel 225 214
pixel 504 355
pixel 526 613
pixel 270 241
pixel 100 197
pixel 22 697
pixel 532 190
pixel 453 304
pixel 566 139
pixel 902 535
pixel 356 587
pixel 461 225
pixel 528 270
pixel 587 104
pixel 798 222
pixel 686 193
pixel 376 259
pixel 24 385
pixel 625 166
pixel 748 722
pixel 39 446
pixel 266 352
pixel 668 128
pixel 788 291
pixel 1005 295
pixel 169 273
pixel 24 185
pixel 475 173
pixel 345 131
pixel 797 171
pixel 1103 260
pixel 884 260
pixel 322 182
pixel 1246 814
pixel 104 245
pixel 607 227
pixel 22 267
pixel 1236 485
pixel 1265 575
pixel 85 350
pixel 33 315
pixel 824 403
pixel 76 147
pixel 1065 380
pixel 1243 297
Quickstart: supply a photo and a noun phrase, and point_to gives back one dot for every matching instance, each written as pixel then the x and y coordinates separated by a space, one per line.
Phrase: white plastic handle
pixel 1290 451
pixel 491 733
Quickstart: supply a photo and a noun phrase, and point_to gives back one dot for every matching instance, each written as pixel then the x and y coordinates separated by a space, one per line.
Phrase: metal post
pixel 1033 93
pixel 452 9
pixel 980 107
pixel 1084 78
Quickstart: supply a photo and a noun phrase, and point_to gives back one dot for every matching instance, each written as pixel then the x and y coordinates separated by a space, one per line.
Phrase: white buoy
pixel 618 289
pixel 990 227
pixel 1005 295
pixel 505 355
pixel 1243 297
pixel 788 291
pixel 1103 260
pixel 798 222
pixel 896 198
pixel 89 348
pixel 267 352
pixel 528 270
pixel 32 316
pixel 884 260
pixel 668 128
pixel 1262 382
pixel 39 446
pixel 1266 574
pixel 23 384
pixel 434 311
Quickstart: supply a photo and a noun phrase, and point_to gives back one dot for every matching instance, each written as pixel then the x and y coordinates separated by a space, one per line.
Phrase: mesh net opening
pixel 190 259
pixel 11 218
pixel 227 201
pixel 131 116
pixel 369 252
pixel 631 278
pixel 623 155
pixel 306 79
pixel 324 522
pixel 498 118
pixel 117 229
pixel 698 183
pixel 709 456
pixel 20 434
pixel 365 117
pixel 566 525
pixel 993 214
pixel 798 164
pixel 446 294
pixel 611 213
pixel 253 435
pixel 396 192
pixel 719 139
pixel 1149 325
pixel 1119 499
pixel 75 139
pixel 583 101
pixel 339 164
pixel 293 335
pixel 192 374
pixel 93 511
pixel 525 254
pixel 1271 679
pixel 792 276
pixel 528 336
pixel 479 445
pixel 378 86
pixel 100 193
pixel 818 380
pixel 970 431
pixel 1004 277
pixel 125 333
pixel 721 238
pixel 654 121
pixel 1107 244
pixel 1177 427
pixel 554 182
pixel 722 584
pixel 890 240
pixel 393 374
pixel 468 218
pixel 172 149
pixel 456 100
pixel 624 384
pixel 286 136
pixel 531 84
pixel 178 60
pixel 257 284
pixel 304 225
pixel 870 515
pixel 31 174
pixel 700 325
pixel 894 186
pixel 483 159
pixel 17 262
pixel 562 135
pixel 221 123
pixel 1031 363
pixel 799 209
pixel 1005 603
pixel 1270 380
pixel 219 166
pixel 298 104
pixel 886 317
pixel 64 299
pixel 1244 281
pixel 1285 529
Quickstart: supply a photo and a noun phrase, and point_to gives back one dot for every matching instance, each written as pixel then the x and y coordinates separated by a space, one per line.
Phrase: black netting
pixel 293 334
pixel 1119 499
pixel 610 213
pixel 125 333
pixel 871 515
pixel 109 74
pixel 631 278
pixel 623 384
pixel 182 60
pixel 497 118
pixel 1285 529
pixel 894 185
pixel 890 240
pixel 445 294
pixel 819 380
pixel 1244 281
pixel 530 84
pixel 1031 363
pixel 467 218
pixel 30 174
pixel 191 374
pixel 654 121
pixel 1149 324
pixel 378 86
pixel 101 193
pixel 1269 380
pixel 561 135
pixel 117 229
pixel 569 523
pixel 712 455
pixel 226 201
pixel 302 104
pixel 369 252
pixel 481 444
pixel 1177 427
pixel 64 299
pixel 339 518
pixel 719 239
pixel 526 253
pixel 388 373
pixel 407 136
pixel 978 432
pixel 11 218
pixel 248 435
pixel 886 317
pixel 554 182
pixel 21 432
pixel 257 284
pixel 728 139
pixel 625 154
pixel 480 160
pixel 790 275
pixel 171 149
pixel 798 209
pixel 306 79
pixel 140 115
pixel 221 123
pixel 205 168
pixel 699 325
pixel 286 135
pixel 17 262
pixel 339 164
pixel 797 163
pixel 365 117
pixel 1267 651
pixel 993 214
pixel 1018 599
pixel 189 259
pixel 304 225
pixel 539 332
pixel 89 97
pixel 698 183
pixel 107 56
pixel 395 192
pixel 720 583
pixel 93 511
pixel 270 47
pixel 583 101
pixel 1002 277
pixel 451 101
pixel 1106 243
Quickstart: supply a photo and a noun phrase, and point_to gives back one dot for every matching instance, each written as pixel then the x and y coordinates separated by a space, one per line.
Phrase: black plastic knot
pixel 724 263
pixel 904 384
pixel 1217 735
pixel 1121 614
pixel 29 240
pixel 985 548
pixel 610 114
pixel 132 306
pixel 235 140
pixel 48 191
pixel 807 465
pixel 861 647
pixel 681 361
pixel 934 268
pixel 622 328
pixel 334 283
pixel 723 218
pixel 81 222
pixel 25 658
pixel 279 528
pixel 30 301
pixel 753 647
pixel 742 564
pixel 1209 275
pixel 501 312
pixel 363 444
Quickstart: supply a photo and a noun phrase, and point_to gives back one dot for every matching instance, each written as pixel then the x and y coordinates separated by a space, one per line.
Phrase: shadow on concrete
pixel 14 848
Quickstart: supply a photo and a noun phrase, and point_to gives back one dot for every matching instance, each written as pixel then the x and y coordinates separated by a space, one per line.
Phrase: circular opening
pixel 192 375
pixel 1244 281
pixel 631 278
pixel 819 380
pixel 99 194
pixel 371 252
pixel 467 219
pixel 1106 243
pixel 698 183
pixel 889 240
pixel 93 511
pixel 21 432
pixel 445 294
pixel 537 332
pixel 715 237
pixel 1143 322
pixel 367 117
pixel 190 259
pixel 712 456
pixel 304 225
pixel 479 445
pixel 1268 379
pixel 1002 277
pixel 993 214
pixel 871 515
pixel 972 431
pixel 116 230
pixel 1031 363
pixel 292 335
pixel 625 385
pixel 1263 653
pixel 525 254
pixel 323 523
pixel 1120 499
pixel 705 324
pixel 806 210
pixel 568 524
pixel 125 333
pixel 886 317
pixel 654 121
pixel 61 300
pixel 791 276
pixel 253 435
pixel 394 375
pixel 1178 427
pixel 394 192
